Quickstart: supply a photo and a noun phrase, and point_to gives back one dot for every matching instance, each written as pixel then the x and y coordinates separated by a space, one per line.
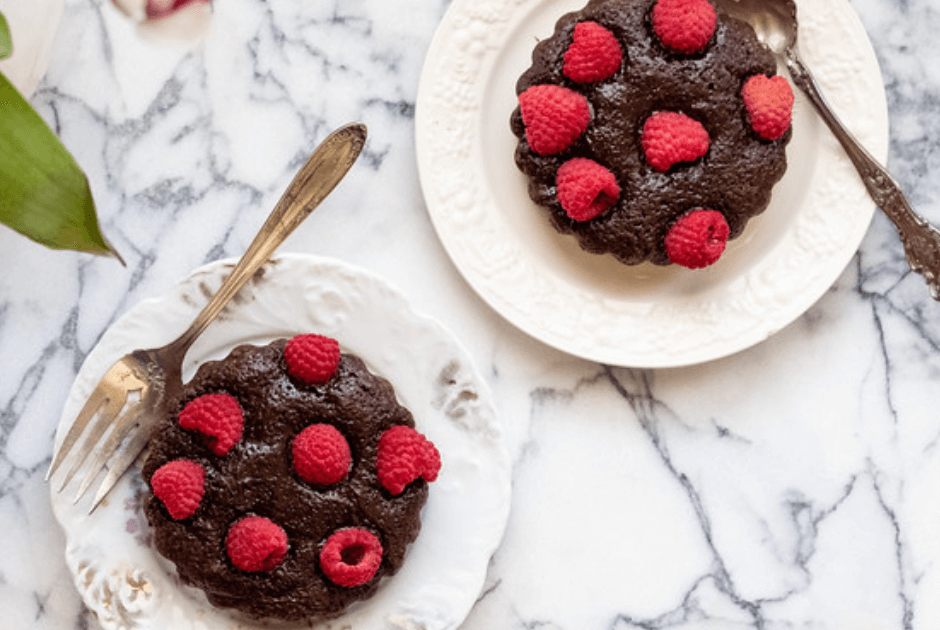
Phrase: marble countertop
pixel 795 484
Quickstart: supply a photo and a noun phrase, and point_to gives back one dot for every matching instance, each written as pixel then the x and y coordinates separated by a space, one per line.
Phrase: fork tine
pixel 121 461
pixel 95 400
pixel 114 402
pixel 121 426
pixel 104 402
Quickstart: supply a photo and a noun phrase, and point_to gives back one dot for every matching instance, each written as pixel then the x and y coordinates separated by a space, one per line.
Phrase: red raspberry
pixel 769 103
pixel 256 544
pixel 594 54
pixel 684 26
pixel 585 188
pixel 403 455
pixel 321 455
pixel 312 358
pixel 697 239
pixel 180 485
pixel 351 557
pixel 218 416
pixel 670 137
pixel 554 117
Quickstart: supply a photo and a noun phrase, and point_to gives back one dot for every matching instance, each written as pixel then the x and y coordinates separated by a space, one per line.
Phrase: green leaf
pixel 44 194
pixel 6 40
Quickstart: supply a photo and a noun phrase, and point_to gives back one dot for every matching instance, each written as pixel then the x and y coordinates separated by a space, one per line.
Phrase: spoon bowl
pixel 774 21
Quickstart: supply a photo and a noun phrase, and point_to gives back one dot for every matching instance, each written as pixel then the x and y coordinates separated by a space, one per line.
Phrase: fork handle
pixel 921 240
pixel 324 169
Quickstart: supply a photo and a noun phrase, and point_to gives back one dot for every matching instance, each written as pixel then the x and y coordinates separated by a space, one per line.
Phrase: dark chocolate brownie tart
pixel 640 134
pixel 287 481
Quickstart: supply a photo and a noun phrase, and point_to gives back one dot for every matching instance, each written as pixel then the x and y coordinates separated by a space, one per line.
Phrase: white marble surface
pixel 793 485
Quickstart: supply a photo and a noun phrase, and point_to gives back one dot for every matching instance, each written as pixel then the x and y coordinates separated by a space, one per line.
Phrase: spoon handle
pixel 921 240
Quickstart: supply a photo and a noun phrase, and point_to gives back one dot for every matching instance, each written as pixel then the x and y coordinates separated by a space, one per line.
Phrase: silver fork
pixel 153 376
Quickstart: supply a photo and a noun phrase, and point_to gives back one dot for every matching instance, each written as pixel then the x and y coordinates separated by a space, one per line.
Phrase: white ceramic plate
pixel 589 305
pixel 125 582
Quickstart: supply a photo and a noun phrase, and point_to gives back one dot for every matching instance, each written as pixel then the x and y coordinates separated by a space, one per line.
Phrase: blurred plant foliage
pixel 44 194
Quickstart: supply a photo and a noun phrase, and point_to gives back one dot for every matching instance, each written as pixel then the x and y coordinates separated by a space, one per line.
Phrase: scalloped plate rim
pixel 480 454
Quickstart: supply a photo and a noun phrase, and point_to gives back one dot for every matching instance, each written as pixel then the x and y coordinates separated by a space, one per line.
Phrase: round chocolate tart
pixel 271 524
pixel 613 71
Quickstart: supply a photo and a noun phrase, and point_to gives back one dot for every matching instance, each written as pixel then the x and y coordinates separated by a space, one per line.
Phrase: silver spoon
pixel 775 23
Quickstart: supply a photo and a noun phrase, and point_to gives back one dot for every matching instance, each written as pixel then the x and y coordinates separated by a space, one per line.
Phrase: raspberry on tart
pixel 351 557
pixel 255 544
pixel 769 103
pixel 312 358
pixel 555 117
pixel 321 455
pixel 218 417
pixel 403 456
pixel 594 54
pixel 586 189
pixel 684 26
pixel 697 239
pixel 180 485
pixel 670 138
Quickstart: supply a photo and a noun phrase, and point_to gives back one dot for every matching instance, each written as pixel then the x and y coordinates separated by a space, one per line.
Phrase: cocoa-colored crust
pixel 256 477
pixel 735 177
